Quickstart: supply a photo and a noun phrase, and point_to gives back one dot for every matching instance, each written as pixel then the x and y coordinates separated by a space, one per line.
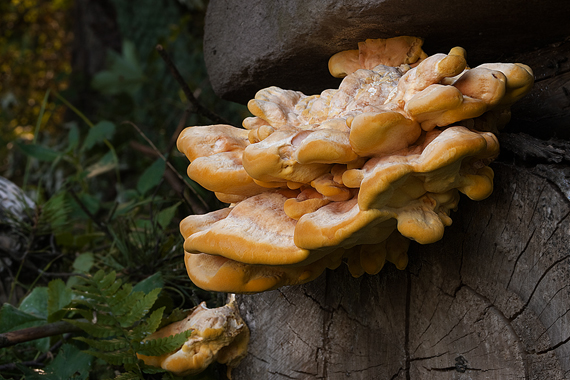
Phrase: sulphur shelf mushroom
pixel 350 175
pixel 217 334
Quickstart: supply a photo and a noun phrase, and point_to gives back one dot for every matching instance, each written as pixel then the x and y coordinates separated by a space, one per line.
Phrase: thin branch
pixel 102 226
pixel 197 105
pixel 32 333
pixel 39 362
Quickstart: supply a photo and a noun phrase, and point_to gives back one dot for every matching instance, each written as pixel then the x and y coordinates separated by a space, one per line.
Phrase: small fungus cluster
pixel 350 175
pixel 218 334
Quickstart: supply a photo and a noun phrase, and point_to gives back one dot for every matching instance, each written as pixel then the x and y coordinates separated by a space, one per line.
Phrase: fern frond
pixel 112 289
pixel 141 308
pixel 152 370
pixel 118 326
pixel 88 294
pixel 161 346
pixel 96 331
pixel 120 296
pixel 127 304
pixel 99 275
pixel 106 281
pixel 151 325
pixel 106 344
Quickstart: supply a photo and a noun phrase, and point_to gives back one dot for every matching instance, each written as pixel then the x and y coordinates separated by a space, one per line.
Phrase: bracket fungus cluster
pixel 350 175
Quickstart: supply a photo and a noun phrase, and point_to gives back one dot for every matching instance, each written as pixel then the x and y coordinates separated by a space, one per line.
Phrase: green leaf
pixel 165 216
pixel 103 130
pixel 33 312
pixel 39 152
pixel 150 283
pixel 90 202
pixel 59 296
pixel 84 262
pixel 70 363
pixel 105 164
pixel 12 319
pixel 151 176
pixel 124 74
pixel 72 136
pixel 36 303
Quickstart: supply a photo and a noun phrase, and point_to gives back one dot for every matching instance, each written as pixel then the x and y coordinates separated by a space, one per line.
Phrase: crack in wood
pixel 282 375
pixel 557 318
pixel 554 347
pixel 257 357
pixel 286 298
pixel 523 308
pixel 452 328
pixel 512 198
pixel 429 357
pixel 562 220
pixel 397 374
pixel 513 271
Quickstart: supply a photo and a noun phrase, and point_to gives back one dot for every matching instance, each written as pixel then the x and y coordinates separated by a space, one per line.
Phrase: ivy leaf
pixel 39 152
pixel 151 176
pixel 103 130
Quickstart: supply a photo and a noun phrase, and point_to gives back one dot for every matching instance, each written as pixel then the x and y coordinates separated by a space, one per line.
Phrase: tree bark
pixel 491 300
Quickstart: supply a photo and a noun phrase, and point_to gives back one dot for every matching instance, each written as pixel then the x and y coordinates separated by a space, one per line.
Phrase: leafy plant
pixel 108 194
pixel 115 319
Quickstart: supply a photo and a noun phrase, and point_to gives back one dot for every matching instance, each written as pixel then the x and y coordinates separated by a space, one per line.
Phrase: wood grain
pixel 491 300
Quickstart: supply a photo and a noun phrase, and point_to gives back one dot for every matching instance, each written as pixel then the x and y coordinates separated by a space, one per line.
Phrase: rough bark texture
pixel 491 300
pixel 252 44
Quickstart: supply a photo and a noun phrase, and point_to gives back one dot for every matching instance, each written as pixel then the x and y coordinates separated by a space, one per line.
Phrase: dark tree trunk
pixel 491 300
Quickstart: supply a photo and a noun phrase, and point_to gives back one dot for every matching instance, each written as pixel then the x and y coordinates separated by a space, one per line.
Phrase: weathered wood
pixel 491 300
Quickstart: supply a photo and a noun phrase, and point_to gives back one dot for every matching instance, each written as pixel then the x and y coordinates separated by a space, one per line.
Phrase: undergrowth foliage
pixel 117 319
pixel 98 247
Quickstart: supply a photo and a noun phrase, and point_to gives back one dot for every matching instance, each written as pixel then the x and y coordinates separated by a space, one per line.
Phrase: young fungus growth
pixel 217 334
pixel 350 175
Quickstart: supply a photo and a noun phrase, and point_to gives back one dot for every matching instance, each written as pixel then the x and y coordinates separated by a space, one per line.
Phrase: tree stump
pixel 491 300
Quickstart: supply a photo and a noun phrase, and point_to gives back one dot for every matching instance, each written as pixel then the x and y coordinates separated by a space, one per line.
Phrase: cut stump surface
pixel 491 300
